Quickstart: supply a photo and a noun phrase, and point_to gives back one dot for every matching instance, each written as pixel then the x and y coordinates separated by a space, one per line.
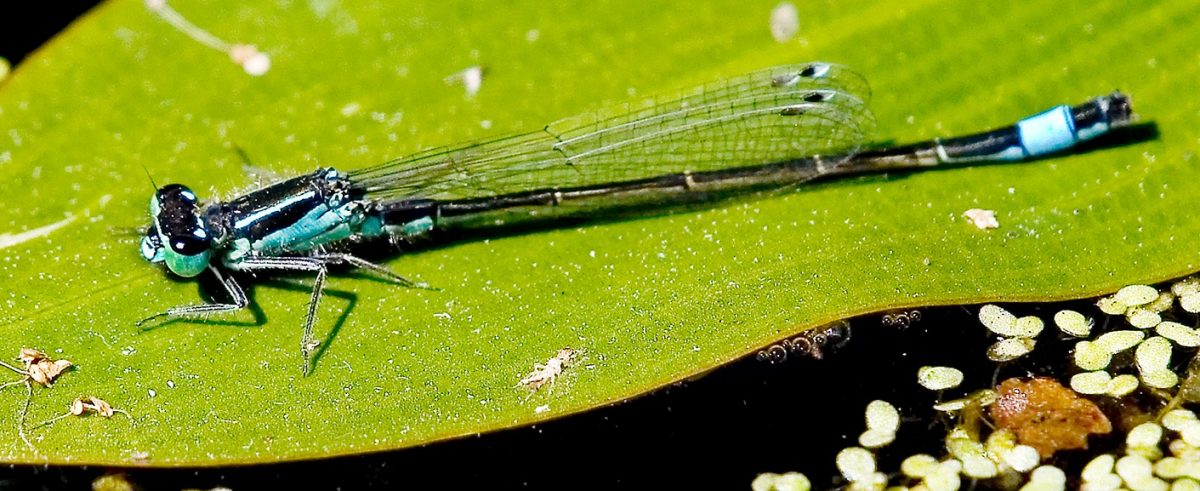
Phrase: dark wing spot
pixel 816 97
pixel 791 111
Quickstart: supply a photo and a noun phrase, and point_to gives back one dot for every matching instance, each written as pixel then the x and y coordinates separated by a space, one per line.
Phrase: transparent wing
pixel 770 115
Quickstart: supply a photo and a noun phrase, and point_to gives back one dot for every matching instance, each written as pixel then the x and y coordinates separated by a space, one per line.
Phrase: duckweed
pixel 1073 323
pixel 939 378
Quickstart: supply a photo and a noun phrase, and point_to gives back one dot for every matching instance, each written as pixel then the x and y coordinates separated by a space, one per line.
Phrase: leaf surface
pixel 647 301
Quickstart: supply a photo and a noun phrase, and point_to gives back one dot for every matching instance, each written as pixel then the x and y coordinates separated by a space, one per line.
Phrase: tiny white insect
pixel 546 374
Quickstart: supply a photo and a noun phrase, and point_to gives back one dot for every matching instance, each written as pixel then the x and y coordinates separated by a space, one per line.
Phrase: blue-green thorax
pixel 291 217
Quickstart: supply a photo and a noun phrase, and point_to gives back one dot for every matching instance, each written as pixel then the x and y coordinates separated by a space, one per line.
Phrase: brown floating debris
pixel 1047 416
pixel 1190 386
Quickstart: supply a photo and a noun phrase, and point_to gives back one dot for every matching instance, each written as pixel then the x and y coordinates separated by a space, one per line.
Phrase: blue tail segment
pixel 1054 130
pixel 1048 132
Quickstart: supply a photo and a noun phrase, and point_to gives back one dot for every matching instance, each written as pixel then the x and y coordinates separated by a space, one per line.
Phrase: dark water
pixel 26 25
pixel 717 432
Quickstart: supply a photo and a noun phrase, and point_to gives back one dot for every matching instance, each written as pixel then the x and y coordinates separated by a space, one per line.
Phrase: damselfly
pixel 769 129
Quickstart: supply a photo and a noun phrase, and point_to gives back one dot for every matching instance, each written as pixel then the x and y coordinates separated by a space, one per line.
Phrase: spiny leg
pixel 312 264
pixel 235 292
pixel 316 264
pixel 307 344
pixel 340 258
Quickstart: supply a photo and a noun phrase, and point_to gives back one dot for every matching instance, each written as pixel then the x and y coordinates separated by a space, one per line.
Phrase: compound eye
pixel 190 245
pixel 178 221
pixel 179 192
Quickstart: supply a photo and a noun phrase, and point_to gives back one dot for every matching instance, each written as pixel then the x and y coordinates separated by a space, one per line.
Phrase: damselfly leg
pixel 316 263
pixel 235 292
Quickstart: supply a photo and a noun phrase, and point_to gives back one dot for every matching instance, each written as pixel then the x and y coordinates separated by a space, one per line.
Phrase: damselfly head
pixel 178 236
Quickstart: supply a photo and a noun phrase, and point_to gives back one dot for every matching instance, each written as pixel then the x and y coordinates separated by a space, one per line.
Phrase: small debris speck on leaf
pixel 785 22
pixel 982 219
pixel 471 79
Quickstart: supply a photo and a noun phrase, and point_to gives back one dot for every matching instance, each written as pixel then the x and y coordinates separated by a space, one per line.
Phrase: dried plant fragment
pixel 252 61
pixel 84 405
pixel 45 371
pixel 39 367
pixel 1190 387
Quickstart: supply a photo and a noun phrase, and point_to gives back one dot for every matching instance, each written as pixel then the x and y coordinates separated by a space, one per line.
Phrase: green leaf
pixel 648 301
